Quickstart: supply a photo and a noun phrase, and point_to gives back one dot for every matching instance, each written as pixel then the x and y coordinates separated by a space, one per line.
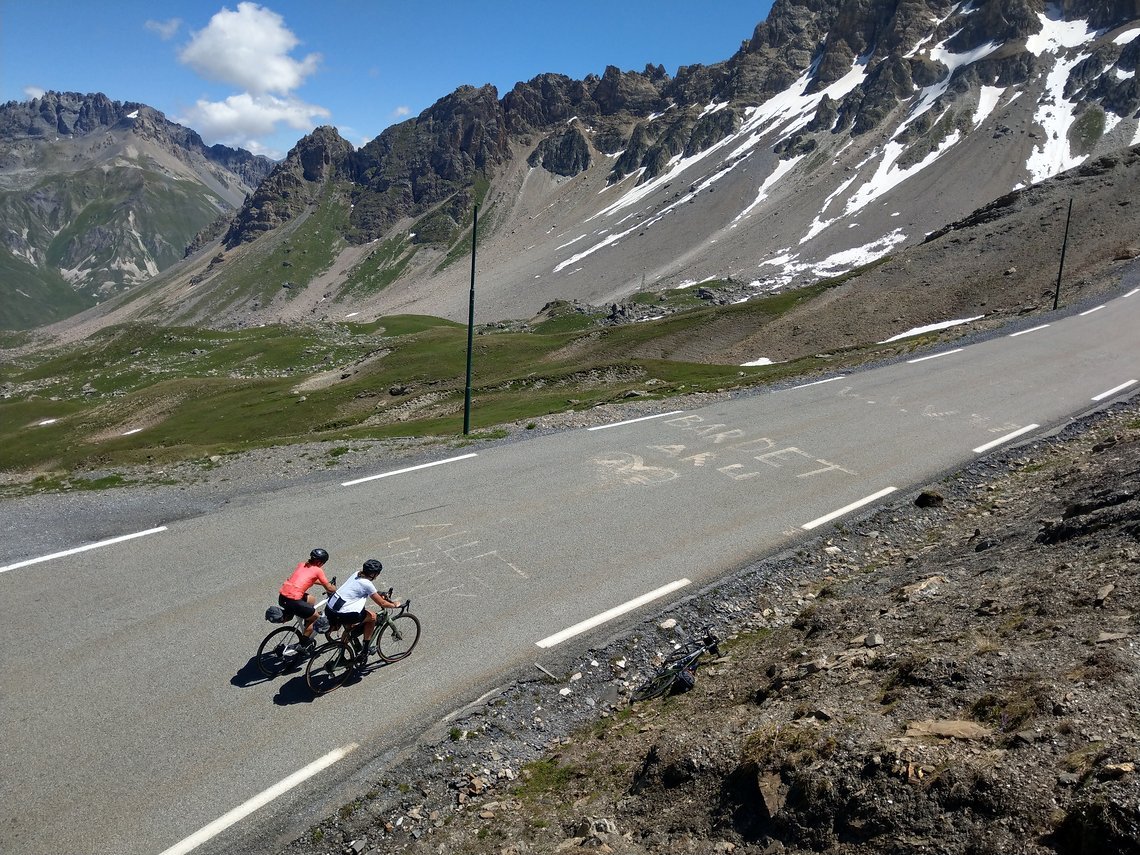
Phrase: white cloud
pixel 34 92
pixel 166 30
pixel 401 111
pixel 249 49
pixel 244 118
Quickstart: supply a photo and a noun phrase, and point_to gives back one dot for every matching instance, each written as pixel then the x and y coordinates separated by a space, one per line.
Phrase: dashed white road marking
pixel 933 356
pixel 1114 390
pixel 616 611
pixel 79 549
pixel 846 509
pixel 408 469
pixel 1090 311
pixel 631 421
pixel 1028 331
pixel 817 382
pixel 260 800
pixel 1005 438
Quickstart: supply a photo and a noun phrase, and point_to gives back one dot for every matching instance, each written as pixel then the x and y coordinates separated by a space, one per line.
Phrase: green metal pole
pixel 470 328
pixel 1064 246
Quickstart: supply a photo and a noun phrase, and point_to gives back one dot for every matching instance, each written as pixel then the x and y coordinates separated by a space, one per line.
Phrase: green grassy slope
pixel 30 297
pixel 110 227
pixel 140 393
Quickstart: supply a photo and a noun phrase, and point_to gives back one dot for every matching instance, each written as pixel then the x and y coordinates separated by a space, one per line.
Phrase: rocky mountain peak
pixel 100 195
pixel 65 113
pixel 318 157
pixel 321 152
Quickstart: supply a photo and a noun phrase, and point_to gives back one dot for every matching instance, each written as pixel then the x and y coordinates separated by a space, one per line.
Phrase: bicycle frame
pixel 333 663
pixel 281 649
pixel 667 676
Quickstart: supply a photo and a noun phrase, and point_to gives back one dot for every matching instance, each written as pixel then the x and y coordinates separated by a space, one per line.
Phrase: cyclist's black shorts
pixel 346 618
pixel 297 608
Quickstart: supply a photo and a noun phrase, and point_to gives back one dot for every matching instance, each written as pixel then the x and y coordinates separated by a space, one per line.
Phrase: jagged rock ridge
pixel 830 112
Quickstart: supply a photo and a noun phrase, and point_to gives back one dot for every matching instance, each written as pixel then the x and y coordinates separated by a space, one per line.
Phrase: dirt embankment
pixel 957 673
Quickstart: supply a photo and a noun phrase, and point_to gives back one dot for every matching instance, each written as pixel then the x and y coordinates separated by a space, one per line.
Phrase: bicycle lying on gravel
pixel 679 672
pixel 281 649
pixel 333 663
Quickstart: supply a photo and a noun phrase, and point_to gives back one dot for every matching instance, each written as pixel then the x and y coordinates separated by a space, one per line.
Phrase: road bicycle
pixel 393 639
pixel 679 671
pixel 281 649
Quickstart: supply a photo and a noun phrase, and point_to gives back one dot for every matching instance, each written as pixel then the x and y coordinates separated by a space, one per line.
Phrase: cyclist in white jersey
pixel 349 601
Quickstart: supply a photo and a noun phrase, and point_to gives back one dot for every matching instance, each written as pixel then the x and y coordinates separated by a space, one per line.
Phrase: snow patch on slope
pixel 988 98
pixel 782 169
pixel 1055 113
pixel 837 264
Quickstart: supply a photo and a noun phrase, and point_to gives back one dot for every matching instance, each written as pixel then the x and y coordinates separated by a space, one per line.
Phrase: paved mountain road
pixel 144 720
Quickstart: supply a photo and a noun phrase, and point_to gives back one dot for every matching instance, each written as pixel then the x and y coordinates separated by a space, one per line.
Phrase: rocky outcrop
pixel 322 155
pixel 565 153
pixel 65 113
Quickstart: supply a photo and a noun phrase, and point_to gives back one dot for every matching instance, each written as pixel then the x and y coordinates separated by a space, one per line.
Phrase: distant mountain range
pixel 840 131
pixel 97 196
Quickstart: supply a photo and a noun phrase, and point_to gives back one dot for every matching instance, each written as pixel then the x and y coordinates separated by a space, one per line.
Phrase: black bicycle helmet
pixel 372 567
pixel 318 556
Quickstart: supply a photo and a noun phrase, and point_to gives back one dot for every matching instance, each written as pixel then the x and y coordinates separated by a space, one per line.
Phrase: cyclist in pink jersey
pixel 294 597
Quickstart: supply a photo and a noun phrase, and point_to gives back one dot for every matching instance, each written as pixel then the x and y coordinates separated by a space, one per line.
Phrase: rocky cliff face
pixel 830 112
pixel 293 186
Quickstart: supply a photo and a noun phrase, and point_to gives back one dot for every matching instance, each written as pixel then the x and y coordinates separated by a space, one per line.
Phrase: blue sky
pixel 262 75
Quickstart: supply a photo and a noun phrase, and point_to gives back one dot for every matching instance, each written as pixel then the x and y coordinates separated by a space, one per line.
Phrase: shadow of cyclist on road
pixel 297 691
pixel 249 675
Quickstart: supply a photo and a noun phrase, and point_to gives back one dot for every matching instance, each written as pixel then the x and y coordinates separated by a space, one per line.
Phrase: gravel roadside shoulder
pixel 957 672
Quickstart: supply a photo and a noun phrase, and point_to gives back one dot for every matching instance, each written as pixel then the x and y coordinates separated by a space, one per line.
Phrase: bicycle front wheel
pixel 397 637
pixel 655 688
pixel 278 652
pixel 330 666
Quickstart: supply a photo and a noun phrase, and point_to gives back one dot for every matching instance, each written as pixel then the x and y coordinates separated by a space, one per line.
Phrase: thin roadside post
pixel 1064 246
pixel 470 327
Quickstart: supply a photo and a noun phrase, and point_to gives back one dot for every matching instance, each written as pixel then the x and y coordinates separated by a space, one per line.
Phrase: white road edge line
pixel 631 421
pixel 1005 438
pixel 78 549
pixel 934 356
pixel 1028 331
pixel 616 611
pixel 1114 390
pixel 826 518
pixel 1132 292
pixel 260 800
pixel 1090 311
pixel 409 469
pixel 817 382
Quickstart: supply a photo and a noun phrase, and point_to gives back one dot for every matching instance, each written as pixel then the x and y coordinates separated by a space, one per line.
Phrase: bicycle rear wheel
pixel 330 666
pixel 278 652
pixel 397 637
pixel 655 688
